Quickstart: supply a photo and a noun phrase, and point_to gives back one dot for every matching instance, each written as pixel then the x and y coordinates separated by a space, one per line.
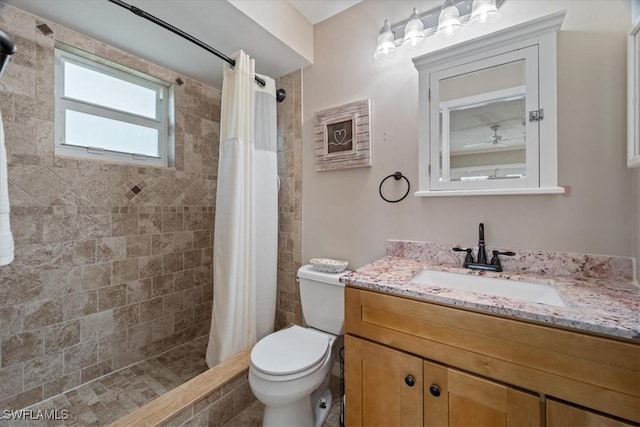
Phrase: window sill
pixel 112 161
pixel 491 192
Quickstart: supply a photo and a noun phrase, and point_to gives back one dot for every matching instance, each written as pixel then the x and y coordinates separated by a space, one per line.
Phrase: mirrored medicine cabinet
pixel 487 117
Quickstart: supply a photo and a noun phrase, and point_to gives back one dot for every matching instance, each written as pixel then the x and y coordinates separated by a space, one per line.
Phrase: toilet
pixel 290 369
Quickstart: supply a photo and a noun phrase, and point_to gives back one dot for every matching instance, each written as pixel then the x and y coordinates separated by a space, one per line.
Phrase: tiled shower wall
pixel 112 262
pixel 288 308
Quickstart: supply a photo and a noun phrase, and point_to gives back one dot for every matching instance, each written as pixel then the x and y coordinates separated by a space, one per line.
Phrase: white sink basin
pixel 527 291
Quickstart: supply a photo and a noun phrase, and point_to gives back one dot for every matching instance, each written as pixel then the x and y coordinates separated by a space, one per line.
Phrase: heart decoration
pixel 339 135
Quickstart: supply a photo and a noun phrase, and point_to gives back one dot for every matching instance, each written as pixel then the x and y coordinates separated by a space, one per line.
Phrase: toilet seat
pixel 291 352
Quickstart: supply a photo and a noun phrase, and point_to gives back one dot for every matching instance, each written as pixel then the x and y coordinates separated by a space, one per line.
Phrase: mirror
pixel 478 150
pixel 488 113
pixel 482 124
pixel 633 105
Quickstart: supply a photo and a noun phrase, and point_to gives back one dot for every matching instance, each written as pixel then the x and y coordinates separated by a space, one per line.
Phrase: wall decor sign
pixel 342 136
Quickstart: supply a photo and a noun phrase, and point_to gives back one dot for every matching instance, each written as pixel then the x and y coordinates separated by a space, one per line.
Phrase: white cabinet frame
pixel 538 34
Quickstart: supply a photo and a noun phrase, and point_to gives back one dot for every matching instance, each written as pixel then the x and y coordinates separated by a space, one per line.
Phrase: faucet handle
pixel 507 253
pixel 468 258
pixel 496 261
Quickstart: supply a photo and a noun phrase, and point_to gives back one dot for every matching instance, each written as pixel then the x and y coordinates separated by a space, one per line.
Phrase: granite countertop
pixel 604 306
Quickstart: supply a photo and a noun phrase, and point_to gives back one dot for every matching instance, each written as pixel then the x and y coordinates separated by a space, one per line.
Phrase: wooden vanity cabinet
pixel 457 399
pixel 387 387
pixel 562 415
pixel 385 384
pixel 411 363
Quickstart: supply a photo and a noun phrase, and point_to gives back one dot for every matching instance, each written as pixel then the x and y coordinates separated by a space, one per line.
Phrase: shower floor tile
pixel 104 400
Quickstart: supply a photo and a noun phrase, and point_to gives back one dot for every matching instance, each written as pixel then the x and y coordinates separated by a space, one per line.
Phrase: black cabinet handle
pixel 434 390
pixel 409 380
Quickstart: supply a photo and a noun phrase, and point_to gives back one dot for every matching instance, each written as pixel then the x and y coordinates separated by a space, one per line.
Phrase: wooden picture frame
pixel 342 136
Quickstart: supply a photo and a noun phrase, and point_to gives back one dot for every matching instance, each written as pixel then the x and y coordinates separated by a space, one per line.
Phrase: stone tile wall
pixel 113 262
pixel 288 309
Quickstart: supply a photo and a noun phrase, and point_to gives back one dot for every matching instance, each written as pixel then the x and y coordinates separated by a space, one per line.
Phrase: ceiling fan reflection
pixel 494 140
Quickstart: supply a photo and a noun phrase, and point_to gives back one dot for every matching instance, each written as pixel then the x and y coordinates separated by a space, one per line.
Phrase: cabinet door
pixel 456 399
pixel 383 386
pixel 561 415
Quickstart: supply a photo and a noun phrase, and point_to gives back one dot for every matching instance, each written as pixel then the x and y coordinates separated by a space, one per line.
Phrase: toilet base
pixel 296 414
pixel 322 408
pixel 302 413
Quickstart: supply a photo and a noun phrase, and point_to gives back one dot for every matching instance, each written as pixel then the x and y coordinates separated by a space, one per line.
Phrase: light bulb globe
pixel 449 21
pixel 386 43
pixel 414 30
pixel 484 11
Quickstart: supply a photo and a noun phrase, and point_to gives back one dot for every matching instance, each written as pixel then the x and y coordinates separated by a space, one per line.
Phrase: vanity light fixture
pixel 449 20
pixel 445 21
pixel 484 11
pixel 414 30
pixel 386 44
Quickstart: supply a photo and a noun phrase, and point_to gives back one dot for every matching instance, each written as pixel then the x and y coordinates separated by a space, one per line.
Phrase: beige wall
pixel 282 20
pixel 343 216
pixel 112 262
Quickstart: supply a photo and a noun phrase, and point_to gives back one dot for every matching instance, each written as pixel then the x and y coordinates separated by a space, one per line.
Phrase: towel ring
pixel 397 176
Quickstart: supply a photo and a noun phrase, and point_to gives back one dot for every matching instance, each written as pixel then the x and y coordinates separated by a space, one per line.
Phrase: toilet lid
pixel 289 351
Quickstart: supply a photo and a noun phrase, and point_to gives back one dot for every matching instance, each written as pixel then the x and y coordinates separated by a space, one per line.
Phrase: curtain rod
pixel 280 93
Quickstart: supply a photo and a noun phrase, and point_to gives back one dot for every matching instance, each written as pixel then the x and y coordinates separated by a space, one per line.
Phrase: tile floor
pixel 104 400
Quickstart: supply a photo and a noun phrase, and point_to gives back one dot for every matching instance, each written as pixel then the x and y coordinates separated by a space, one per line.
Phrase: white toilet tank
pixel 322 296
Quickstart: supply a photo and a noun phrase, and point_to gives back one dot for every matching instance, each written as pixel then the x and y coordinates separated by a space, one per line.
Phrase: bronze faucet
pixel 481 263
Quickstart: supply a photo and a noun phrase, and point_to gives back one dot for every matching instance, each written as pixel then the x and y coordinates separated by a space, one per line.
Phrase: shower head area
pixel 7 49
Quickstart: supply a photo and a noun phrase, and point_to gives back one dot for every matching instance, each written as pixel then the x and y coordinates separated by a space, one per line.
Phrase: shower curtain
pixel 6 238
pixel 246 223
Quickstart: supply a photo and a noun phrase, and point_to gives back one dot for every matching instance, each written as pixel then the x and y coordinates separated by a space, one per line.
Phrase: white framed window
pixel 106 114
